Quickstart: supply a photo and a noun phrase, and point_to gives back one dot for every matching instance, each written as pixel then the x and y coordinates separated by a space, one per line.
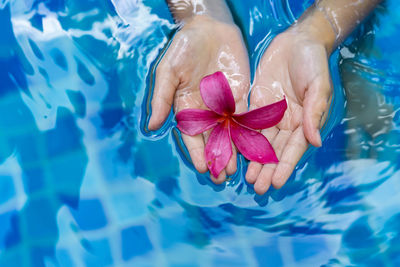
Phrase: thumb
pixel 315 104
pixel 163 95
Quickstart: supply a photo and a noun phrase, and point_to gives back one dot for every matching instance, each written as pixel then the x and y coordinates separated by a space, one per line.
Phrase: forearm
pixel 345 15
pixel 184 10
pixel 334 20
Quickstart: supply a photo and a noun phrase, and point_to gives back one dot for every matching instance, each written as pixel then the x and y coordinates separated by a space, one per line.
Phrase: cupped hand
pixel 202 47
pixel 295 65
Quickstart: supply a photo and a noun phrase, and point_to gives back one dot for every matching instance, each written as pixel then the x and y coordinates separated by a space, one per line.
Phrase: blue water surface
pixel 82 183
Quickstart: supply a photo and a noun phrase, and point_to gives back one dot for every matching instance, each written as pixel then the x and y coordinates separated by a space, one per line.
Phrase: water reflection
pixel 45 158
pixel 97 189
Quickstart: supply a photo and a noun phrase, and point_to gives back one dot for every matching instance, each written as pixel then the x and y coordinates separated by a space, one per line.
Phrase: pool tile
pixel 65 138
pixel 5 227
pixel 33 180
pixel 172 229
pixel 7 189
pixel 13 236
pixel 63 258
pixel 309 247
pixel 99 253
pixel 128 206
pixel 268 255
pixel 12 259
pixel 39 219
pixel 89 215
pixel 155 166
pixel 135 242
pixel 232 256
pixel 39 254
pixel 29 143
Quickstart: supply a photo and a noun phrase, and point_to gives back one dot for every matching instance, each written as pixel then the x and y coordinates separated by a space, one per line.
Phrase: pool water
pixel 82 183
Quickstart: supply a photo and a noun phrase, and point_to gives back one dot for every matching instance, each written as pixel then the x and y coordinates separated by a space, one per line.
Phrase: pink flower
pixel 240 128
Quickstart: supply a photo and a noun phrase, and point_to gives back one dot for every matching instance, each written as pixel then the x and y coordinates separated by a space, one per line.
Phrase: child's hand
pixel 202 47
pixel 294 65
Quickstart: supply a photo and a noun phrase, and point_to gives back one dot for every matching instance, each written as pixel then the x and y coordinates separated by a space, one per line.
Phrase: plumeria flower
pixel 240 128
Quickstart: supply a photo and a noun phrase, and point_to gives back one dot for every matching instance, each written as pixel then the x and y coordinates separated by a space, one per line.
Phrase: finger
pixel 232 164
pixel 291 155
pixel 221 178
pixel 164 90
pixel 260 96
pixel 195 146
pixel 265 177
pixel 326 113
pixel 254 168
pixel 315 104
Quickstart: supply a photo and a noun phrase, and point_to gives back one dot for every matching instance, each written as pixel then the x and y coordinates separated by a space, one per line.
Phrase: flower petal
pixel 218 149
pixel 264 117
pixel 252 144
pixel 195 121
pixel 217 94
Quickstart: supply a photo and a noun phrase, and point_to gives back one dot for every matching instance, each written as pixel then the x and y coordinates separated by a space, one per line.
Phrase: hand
pixel 203 46
pixel 295 65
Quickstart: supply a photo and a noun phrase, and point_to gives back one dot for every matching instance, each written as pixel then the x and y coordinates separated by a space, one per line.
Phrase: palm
pixel 298 69
pixel 200 48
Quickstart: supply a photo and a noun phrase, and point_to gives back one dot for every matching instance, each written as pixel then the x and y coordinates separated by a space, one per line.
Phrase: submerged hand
pixel 294 65
pixel 202 47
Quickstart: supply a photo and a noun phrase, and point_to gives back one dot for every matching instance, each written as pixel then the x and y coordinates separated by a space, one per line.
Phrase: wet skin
pixel 295 65
pixel 202 47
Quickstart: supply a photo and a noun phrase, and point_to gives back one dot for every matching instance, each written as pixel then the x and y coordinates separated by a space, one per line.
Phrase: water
pixel 83 184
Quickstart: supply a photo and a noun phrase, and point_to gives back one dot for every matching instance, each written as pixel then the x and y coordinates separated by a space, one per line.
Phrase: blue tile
pixel 63 258
pixel 156 166
pixel 66 137
pixel 362 244
pixel 7 190
pixel 359 235
pixel 84 73
pixel 13 235
pixel 66 174
pixel 173 230
pixel 99 253
pixel 308 247
pixel 33 180
pixel 268 256
pixel 77 100
pixel 11 258
pixel 228 256
pixel 135 242
pixel 39 219
pixel 90 215
pixel 5 226
pixel 30 148
pixel 59 58
pixel 168 185
pixel 39 254
pixel 128 206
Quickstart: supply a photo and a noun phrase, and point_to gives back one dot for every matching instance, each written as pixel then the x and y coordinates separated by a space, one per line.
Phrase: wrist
pixel 317 27
pixel 185 11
